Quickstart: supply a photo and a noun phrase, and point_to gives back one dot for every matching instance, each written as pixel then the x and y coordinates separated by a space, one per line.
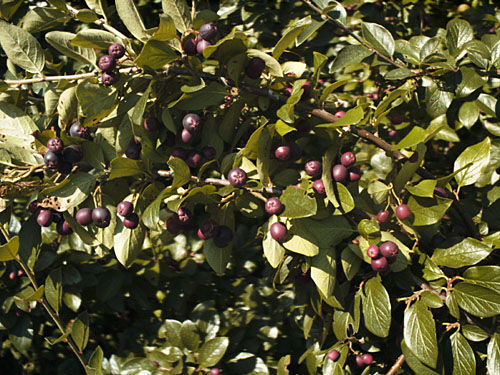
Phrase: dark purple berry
pixel 237 177
pixel 207 229
pixel 84 216
pixel 302 125
pixel 76 130
pixel 133 150
pixel 107 63
pixel 255 67
pixel 208 31
pixel 57 217
pixel 288 91
pixel 179 152
pixel 397 118
pixel 65 167
pixel 347 159
pixel 173 226
pixel 379 264
pixel 55 145
pixel 201 45
pixel 340 173
pixel 189 47
pixel 187 137
pixel 124 208
pixel 101 217
pixel 44 217
pixel 367 359
pixel 131 221
pixel 223 236
pixel 319 187
pixel 403 212
pixel 73 154
pixel 382 216
pixel 34 207
pixel 51 159
pixel 209 152
pixel 282 153
pixel 63 228
pixel 373 251
pixel 116 50
pixel 184 215
pixel 354 174
pixel 389 249
pixel 313 168
pixel 278 231
pixel 391 260
pixel 192 122
pixel 151 124
pixel 194 159
pixel 109 78
pixel 333 355
pixel 273 206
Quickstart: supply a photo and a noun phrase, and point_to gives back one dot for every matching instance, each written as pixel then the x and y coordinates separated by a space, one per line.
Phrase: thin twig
pixel 397 365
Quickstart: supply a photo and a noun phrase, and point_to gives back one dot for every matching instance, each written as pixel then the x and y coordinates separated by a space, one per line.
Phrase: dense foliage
pixel 250 187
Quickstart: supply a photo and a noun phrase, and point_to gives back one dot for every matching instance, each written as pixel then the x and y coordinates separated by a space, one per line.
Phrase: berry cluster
pixel 46 216
pixel 107 64
pixel 360 359
pixel 402 212
pixel 125 209
pixel 206 36
pixel 382 256
pixel 343 172
pixel 62 158
pixel 100 216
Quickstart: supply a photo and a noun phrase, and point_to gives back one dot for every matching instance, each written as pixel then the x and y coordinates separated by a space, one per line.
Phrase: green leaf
pixel 61 41
pixel 350 263
pixel 273 251
pixel 86 15
pixel 464 362
pixel 217 257
pixel 324 270
pixel 53 289
pixel 92 38
pixel 43 18
pixel 415 364
pixel 181 171
pixel 376 308
pixel 476 300
pixel 425 210
pixel 378 37
pixel 424 188
pixel 190 336
pixel 72 191
pixel 468 114
pixel 414 137
pixel 474 333
pixel 437 101
pixel 420 333
pixel 458 32
pixel 156 54
pixel 472 162
pixel 289 37
pixel 80 331
pixel 470 82
pixel 128 243
pixel 399 74
pixel 9 250
pixel 350 55
pixel 96 101
pixel 487 276
pixel 22 48
pixel 272 64
pixel 131 18
pixel 465 253
pixel 171 330
pixel 37 295
pixel 297 203
pixel 352 117
pixel 180 13
pixel 493 355
pixel 95 362
pixel 300 240
pixel 213 94
pixel 166 29
pixel 125 167
pixel 212 351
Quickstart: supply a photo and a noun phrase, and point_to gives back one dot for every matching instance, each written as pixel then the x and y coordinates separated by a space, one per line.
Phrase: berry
pixel 273 206
pixel 65 167
pixel 382 216
pixel 131 221
pixel 194 159
pixel 288 91
pixel 397 118
pixel 84 216
pixel 101 217
pixel 339 114
pixel 55 145
pixel 255 67
pixel 367 359
pixel 33 207
pixel 333 355
pixel 51 159
pixel 223 236
pixel 12 275
pixel 189 47
pixel 302 125
pixel 63 228
pixel 109 79
pixel 359 361
pixel 207 229
pixel 209 152
pixel 172 225
pixel 389 249
pixel 373 251
pixel 340 173
pixel 116 50
pixel 191 122
pixel 347 159
pixel 20 272
pixel 44 217
pixel 237 177
pixel 313 168
pixel 57 217
pixel 319 187
pixel 354 174
pixel 201 45
pixel 208 31
pixel 187 137
pixel 76 130
pixel 133 150
pixel 392 133
pixel 403 212
pixel 184 215
pixel 179 152
pixel 214 371
pixel 278 231
pixel 73 154
pixel 107 63
pixel 282 153
pixel 124 208
pixel 151 124
pixel 379 264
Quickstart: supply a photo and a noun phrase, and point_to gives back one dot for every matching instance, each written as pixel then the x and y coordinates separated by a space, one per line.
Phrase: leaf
pixel 156 54
pixel 179 11
pixel 217 257
pixel 72 191
pixel 425 210
pixel 125 167
pixel 86 15
pixel 352 117
pixel 493 355
pixel 166 29
pixel 300 240
pixel 43 18
pixel 414 363
pixel 61 41
pixel 212 351
pixel 272 64
pixel 468 114
pixel 350 55
pixel 476 300
pixel 289 37
pixel 414 137
pixel 465 253
pixel 37 295
pixel 487 276
pixel 67 107
pixel 378 37
pixel 464 362
pixel 297 203
pixel 95 362
pixel 376 308
pixel 437 101
pixel 9 250
pixel 171 330
pixel 458 32
pixel 190 336
pixel 128 243
pixel 472 162
pixel 213 94
pixel 470 82
pixel 131 18
pixel 424 188
pixel 324 270
pixel 92 38
pixel 53 289
pixel 22 48
pixel 80 331
pixel 420 333
pixel 96 101
pixel 181 172
pixel 350 263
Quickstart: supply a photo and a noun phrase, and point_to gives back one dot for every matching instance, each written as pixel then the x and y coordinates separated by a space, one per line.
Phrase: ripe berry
pixel 392 133
pixel 208 31
pixel 313 168
pixel 237 177
pixel 389 249
pixel 319 187
pixel 194 159
pixel 339 114
pixel 207 229
pixel 65 167
pixel 209 152
pixel 397 118
pixel 73 154
pixel 191 122
pixel 403 212
pixel 44 217
pixel 57 217
pixel 173 226
pixel 282 153
pixel 131 221
pixel 201 45
pixel 340 173
pixel 109 79
pixel 84 216
pixel 382 216
pixel 288 91
pixel 379 264
pixel 189 47
pixel 179 152
pixel 76 130
pixel 214 371
pixel 184 215
pixel 278 231
pixel 124 208
pixel 33 207
pixel 273 206
pixel 107 63
pixel 63 228
pixel 151 124
pixel 359 361
pixel 187 137
pixel 51 159
pixel 133 150
pixel 223 236
pixel 367 359
pixel 354 174
pixel 373 251
pixel 101 217
pixel 347 159
pixel 333 355
pixel 255 67
pixel 116 50
pixel 55 145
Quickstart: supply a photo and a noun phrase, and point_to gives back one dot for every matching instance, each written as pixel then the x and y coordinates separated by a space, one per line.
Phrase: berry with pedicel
pixel 116 51
pixel 101 217
pixel 133 150
pixel 360 361
pixel 403 212
pixel 208 31
pixel 319 187
pixel 44 217
pixel 340 173
pixel 84 216
pixel 278 231
pixel 63 228
pixel 189 47
pixel 124 208
pixel 107 63
pixel 55 145
pixel 194 159
pixel 151 124
pixel 389 249
pixel 255 67
pixel 382 216
pixel 373 251
pixel 51 159
pixel 65 167
pixel 223 236
pixel 379 264
pixel 209 152
pixel 392 133
pixel 131 221
pixel 333 355
pixel 237 177
pixel 273 206
pixel 73 154
pixel 347 159
pixel 57 217
pixel 207 229
pixel 109 78
pixel 192 122
pixel 313 168
pixel 201 45
pixel 282 153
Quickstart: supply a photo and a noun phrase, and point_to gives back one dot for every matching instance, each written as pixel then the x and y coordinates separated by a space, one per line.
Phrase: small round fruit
pixel 237 177
pixel 63 228
pixel 392 133
pixel 55 145
pixel 354 174
pixel 109 78
pixel 187 137
pixel 44 217
pixel 223 236
pixel 209 152
pixel 84 216
pixel 107 63
pixel 214 371
pixel 179 152
pixel 34 207
pixel 278 231
pixel 389 249
pixel 397 118
pixel 101 217
pixel 65 167
pixel 76 130
pixel 57 217
pixel 207 229
pixel 333 355
pixel 359 361
pixel 339 114
pixel 173 226
pixel 313 168
pixel 340 173
pixel 194 159
pixel 131 221
pixel 347 159
pixel 189 47
pixel 382 216
pixel 282 153
pixel 379 264
pixel 184 215
pixel 403 212
pixel 367 358
pixel 51 159
pixel 273 206
pixel 288 91
pixel 133 150
pixel 201 45
pixel 151 124
pixel 191 122
pixel 255 67
pixel 124 208
pixel 116 50
pixel 319 187
pixel 391 260
pixel 208 31
pixel 73 154
pixel 373 251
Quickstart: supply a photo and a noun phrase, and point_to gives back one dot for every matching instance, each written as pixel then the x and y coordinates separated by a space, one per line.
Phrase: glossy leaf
pixel 212 351
pixel 465 253
pixel 376 308
pixel 9 250
pixel 61 41
pixel 378 37
pixel 464 361
pixel 477 300
pixel 80 331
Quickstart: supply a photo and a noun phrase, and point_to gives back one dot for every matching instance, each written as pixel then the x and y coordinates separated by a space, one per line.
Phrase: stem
pixel 397 365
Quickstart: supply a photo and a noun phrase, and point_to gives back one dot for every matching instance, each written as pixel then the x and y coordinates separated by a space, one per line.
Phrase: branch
pixel 397 365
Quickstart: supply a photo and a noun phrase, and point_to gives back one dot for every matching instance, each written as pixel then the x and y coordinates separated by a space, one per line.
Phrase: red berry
pixel 333 355
pixel 173 226
pixel 367 359
pixel 237 177
pixel 208 31
pixel 340 173
pixel 201 45
pixel 55 145
pixel 354 174
pixel 101 217
pixel 282 153
pixel 382 216
pixel 389 249
pixel 373 251
pixel 319 187
pixel 379 264
pixel 397 118
pixel 84 216
pixel 194 159
pixel 392 133
pixel 109 78
pixel 116 50
pixel 124 208
pixel 313 168
pixel 44 217
pixel 131 221
pixel 184 215
pixel 347 159
pixel 107 63
pixel 51 159
pixel 180 153
pixel 339 114
pixel 359 361
pixel 403 212
pixel 191 122
pixel 255 67
pixel 278 231
pixel 63 228
pixel 133 150
pixel 273 206
pixel 151 124
pixel 189 47
pixel 214 371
